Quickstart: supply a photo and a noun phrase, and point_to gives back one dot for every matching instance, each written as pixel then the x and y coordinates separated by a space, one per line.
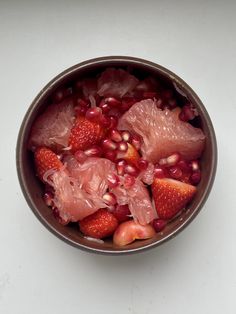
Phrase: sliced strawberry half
pixel 45 159
pixel 170 196
pixel 131 155
pixel 85 133
pixel 99 225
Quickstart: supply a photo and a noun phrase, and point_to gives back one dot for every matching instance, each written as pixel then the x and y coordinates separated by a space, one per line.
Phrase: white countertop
pixel 193 273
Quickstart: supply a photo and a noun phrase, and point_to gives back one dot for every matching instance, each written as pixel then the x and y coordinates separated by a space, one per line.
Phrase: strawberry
pixel 84 134
pixel 170 196
pixel 45 159
pixel 131 155
pixel 99 225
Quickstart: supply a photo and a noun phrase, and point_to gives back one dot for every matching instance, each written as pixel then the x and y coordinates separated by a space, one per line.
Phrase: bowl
pixel 33 189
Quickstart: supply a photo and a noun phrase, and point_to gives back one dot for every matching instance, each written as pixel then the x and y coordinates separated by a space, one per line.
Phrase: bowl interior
pixel 33 189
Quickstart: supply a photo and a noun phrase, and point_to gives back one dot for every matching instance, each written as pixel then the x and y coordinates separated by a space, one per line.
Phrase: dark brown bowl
pixel 32 188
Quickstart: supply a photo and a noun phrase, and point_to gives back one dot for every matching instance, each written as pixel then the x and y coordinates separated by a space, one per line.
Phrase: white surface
pixel 195 272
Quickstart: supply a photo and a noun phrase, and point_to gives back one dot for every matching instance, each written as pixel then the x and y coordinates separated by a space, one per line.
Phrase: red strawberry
pixel 84 134
pixel 99 225
pixel 170 196
pixel 45 159
pixel 131 155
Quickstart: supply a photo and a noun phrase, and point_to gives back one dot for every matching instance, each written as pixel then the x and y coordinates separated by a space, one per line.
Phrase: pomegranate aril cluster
pixel 116 143
pixel 176 168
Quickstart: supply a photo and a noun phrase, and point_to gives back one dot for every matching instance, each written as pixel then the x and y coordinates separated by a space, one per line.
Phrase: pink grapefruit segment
pixel 116 83
pixel 138 200
pixel 79 187
pixel 52 127
pixel 162 132
pixel 92 174
pixel 71 200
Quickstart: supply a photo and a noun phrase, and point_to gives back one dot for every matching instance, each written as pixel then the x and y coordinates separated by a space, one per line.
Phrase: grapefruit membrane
pixel 162 132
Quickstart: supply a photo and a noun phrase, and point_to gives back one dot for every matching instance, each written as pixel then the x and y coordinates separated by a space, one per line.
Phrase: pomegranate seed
pixel 115 113
pixel 115 135
pixel 58 95
pixel 173 159
pixel 136 141
pixel 80 156
pixel 113 180
pixel 104 106
pixel 105 121
pixel 111 155
pixel 122 146
pixel 175 172
pixel 159 172
pixel 109 198
pixel 187 113
pixel 125 106
pixel 130 169
pixel 126 136
pixel 184 166
pixel 182 116
pixel 48 199
pixel 108 144
pixel 120 167
pixel 93 113
pixel 80 111
pixel 194 164
pixel 127 103
pixel 142 86
pixel 94 151
pixel 129 181
pixel 167 94
pixel 121 212
pixel 147 85
pixel 165 106
pixel 78 85
pixel 149 95
pixel 195 178
pixel 159 103
pixel 159 224
pixel 67 92
pixel 172 103
pixel 142 164
pixel 82 103
pixel 62 93
pixel 112 101
pixel 113 122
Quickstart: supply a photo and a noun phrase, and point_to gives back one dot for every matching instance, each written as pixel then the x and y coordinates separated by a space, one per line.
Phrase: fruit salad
pixel 118 155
